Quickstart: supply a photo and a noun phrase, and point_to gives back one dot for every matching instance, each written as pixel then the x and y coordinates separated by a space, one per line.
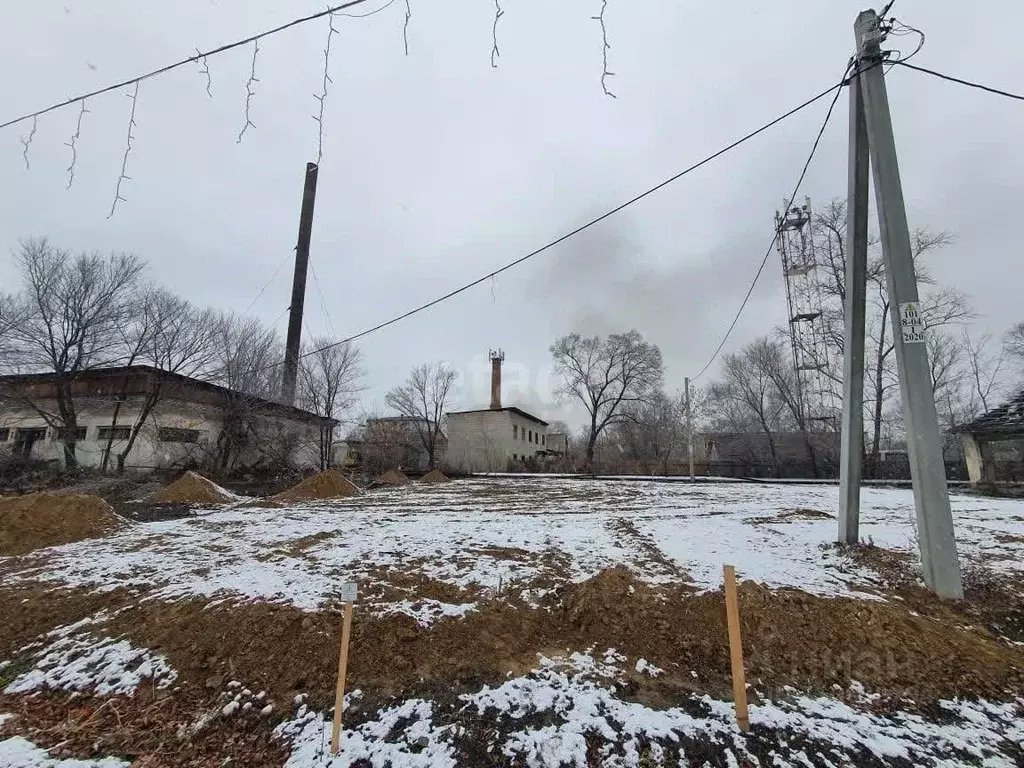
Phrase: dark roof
pixel 511 408
pixel 138 379
pixel 1005 420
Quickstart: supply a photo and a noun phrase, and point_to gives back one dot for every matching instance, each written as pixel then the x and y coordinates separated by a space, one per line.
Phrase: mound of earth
pixel 191 488
pixel 47 519
pixel 435 476
pixel 393 477
pixel 329 484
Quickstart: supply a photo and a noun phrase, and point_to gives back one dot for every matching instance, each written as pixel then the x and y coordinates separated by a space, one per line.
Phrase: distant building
pixel 759 453
pixel 486 440
pixel 557 444
pixel 390 442
pixel 193 422
pixel 993 443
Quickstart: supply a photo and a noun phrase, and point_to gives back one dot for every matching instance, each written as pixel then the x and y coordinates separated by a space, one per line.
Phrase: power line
pixel 267 284
pixel 198 57
pixel 961 82
pixel 323 302
pixel 837 88
pixel 775 237
pixel 490 275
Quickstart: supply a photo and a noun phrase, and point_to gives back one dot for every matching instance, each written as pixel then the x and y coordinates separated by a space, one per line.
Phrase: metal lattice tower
pixel 807 332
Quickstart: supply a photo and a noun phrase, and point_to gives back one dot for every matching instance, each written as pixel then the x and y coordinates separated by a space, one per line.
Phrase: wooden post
pixel 339 698
pixel 732 615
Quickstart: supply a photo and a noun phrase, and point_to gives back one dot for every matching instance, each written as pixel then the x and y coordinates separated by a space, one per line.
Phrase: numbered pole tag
pixel 348 592
pixel 911 323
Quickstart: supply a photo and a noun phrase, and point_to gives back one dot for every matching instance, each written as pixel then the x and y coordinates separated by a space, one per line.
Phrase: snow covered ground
pixel 70 658
pixel 550 717
pixel 484 532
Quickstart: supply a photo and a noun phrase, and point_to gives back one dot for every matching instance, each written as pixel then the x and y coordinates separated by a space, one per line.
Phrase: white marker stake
pixel 348 596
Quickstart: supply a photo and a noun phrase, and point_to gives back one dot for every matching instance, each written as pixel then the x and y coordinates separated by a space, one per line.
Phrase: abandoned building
pixel 388 442
pixel 189 423
pixel 486 440
pixel 994 443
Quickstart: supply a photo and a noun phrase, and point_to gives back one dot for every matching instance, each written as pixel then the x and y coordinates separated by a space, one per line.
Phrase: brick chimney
pixel 496 359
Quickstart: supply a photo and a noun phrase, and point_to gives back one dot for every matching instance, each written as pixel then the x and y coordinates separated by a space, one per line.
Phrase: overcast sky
pixel 438 168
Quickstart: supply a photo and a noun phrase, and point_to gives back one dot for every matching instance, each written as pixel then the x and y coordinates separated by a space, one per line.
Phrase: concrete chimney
pixel 496 359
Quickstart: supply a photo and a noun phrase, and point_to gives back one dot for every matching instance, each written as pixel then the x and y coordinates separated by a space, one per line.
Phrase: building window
pixel 113 433
pixel 515 432
pixel 176 435
pixel 5 434
pixel 30 434
pixel 542 439
pixel 66 433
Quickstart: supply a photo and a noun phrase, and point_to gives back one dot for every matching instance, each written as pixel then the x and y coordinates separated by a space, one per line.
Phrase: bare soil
pixel 393 477
pixel 435 476
pixel 192 488
pixel 329 484
pixel 47 519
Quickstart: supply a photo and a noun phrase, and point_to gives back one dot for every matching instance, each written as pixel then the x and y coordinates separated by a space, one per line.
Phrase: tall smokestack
pixel 496 358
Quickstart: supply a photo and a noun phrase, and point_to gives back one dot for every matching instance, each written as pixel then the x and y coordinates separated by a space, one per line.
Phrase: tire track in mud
pixel 648 553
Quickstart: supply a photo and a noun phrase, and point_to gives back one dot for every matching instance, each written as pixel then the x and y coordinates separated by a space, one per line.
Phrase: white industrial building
pixel 486 440
pixel 193 423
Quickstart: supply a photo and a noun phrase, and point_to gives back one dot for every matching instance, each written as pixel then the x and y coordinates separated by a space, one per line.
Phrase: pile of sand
pixel 435 476
pixel 329 484
pixel 191 488
pixel 47 519
pixel 393 477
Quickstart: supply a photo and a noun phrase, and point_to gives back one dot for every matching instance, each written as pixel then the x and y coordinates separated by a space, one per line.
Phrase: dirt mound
pixel 435 476
pixel 329 484
pixel 393 477
pixel 48 519
pixel 191 488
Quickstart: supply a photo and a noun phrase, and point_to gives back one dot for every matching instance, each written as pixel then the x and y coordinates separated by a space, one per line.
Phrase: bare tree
pixel 171 335
pixel 74 306
pixel 12 313
pixel 329 376
pixel 247 363
pixel 1013 342
pixel 653 430
pixel 606 375
pixel 747 398
pixel 940 307
pixel 424 398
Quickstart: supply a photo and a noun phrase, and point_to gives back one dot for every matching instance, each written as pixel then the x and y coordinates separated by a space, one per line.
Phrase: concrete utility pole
pixel 294 341
pixel 851 454
pixel 689 426
pixel 931 495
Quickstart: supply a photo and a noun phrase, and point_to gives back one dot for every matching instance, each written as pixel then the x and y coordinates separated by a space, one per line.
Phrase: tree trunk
pixel 811 456
pixel 69 419
pixel 110 439
pixel 147 408
pixel 879 385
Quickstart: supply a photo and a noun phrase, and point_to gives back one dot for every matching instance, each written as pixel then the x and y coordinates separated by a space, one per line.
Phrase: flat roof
pixel 511 408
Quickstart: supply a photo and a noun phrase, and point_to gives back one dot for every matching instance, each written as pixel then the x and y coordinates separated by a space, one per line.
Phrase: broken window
pixel 114 433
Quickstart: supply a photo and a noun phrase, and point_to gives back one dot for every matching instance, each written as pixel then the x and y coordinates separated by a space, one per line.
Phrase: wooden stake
pixel 339 698
pixel 732 615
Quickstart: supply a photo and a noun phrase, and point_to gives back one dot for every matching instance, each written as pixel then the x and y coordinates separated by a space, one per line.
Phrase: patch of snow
pixel 17 752
pixel 89 663
pixel 563 689
pixel 643 666
pixel 423 745
pixel 507 526
pixel 427 611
